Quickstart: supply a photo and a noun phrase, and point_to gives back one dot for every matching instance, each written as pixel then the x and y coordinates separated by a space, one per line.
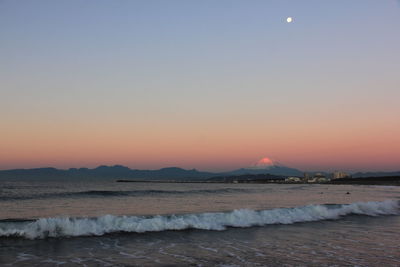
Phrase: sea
pixel 105 223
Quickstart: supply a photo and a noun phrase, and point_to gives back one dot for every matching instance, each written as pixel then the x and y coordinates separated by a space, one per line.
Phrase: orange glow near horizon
pixel 227 147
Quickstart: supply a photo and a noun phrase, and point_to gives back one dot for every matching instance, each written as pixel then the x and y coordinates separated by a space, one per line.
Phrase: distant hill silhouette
pixel 172 173
pixel 106 172
pixel 273 170
pixel 122 172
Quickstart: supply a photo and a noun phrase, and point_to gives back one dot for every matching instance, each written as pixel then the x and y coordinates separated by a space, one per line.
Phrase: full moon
pixel 289 19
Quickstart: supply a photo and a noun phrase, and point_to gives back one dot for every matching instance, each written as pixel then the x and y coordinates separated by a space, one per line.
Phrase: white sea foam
pixel 68 227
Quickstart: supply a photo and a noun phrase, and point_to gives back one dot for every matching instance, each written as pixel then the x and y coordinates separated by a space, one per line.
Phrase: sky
pixel 211 85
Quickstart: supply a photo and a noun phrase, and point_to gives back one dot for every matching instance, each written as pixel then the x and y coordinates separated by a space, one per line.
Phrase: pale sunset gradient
pixel 212 85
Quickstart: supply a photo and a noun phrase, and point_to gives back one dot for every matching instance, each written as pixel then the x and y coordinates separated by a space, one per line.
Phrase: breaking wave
pixel 69 227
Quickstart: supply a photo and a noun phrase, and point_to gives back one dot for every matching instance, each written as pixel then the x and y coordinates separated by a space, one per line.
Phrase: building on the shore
pixel 315 178
pixel 319 177
pixel 340 175
pixel 323 179
pixel 293 179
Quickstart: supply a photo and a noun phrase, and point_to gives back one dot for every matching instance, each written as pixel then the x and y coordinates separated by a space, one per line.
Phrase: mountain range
pixel 263 166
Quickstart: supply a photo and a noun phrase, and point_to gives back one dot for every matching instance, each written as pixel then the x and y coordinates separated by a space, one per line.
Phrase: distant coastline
pixel 260 174
pixel 384 181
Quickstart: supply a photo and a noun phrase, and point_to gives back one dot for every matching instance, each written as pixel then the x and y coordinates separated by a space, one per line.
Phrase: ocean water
pixel 104 223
